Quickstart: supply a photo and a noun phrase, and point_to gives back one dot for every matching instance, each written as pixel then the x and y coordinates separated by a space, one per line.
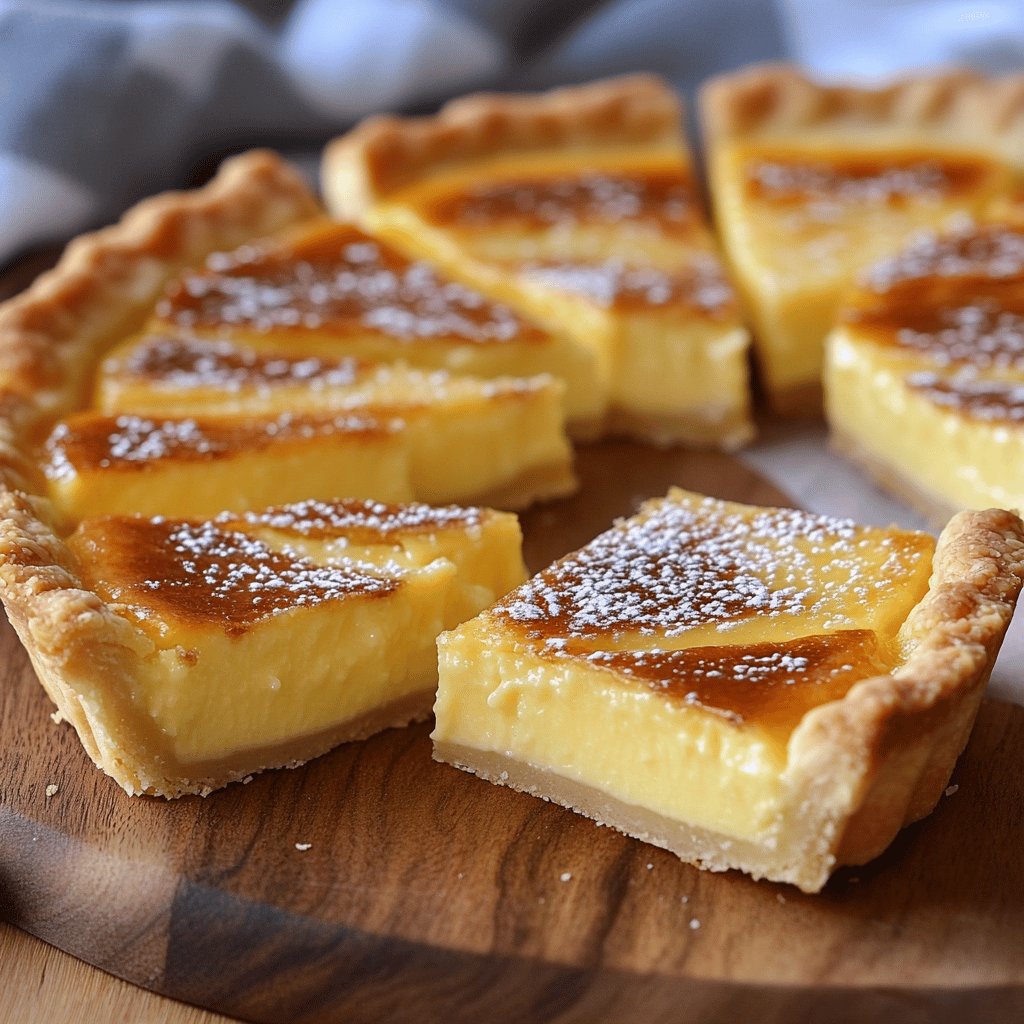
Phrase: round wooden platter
pixel 374 884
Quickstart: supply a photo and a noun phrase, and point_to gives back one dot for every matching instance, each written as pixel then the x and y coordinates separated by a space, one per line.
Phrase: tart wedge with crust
pixel 811 183
pixel 188 652
pixel 579 207
pixel 751 688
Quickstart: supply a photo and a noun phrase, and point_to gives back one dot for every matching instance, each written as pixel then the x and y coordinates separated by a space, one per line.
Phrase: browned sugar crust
pixel 90 442
pixel 208 575
pixel 955 299
pixel 665 197
pixel 337 280
pixel 182 363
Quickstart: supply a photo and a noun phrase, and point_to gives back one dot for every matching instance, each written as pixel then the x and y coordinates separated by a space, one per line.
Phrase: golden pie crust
pixel 51 337
pixel 959 106
pixel 399 151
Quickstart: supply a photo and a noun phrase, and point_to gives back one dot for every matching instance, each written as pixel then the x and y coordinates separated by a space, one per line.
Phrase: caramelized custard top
pixel 682 566
pixel 203 574
pixel 92 441
pixel 772 684
pixel 184 363
pixel 787 178
pixel 336 280
pixel 956 298
pixel 991 401
pixel 702 287
pixel 362 521
pixel 666 197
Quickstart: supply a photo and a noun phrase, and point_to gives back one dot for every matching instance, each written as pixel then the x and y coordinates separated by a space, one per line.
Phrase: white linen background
pixel 104 102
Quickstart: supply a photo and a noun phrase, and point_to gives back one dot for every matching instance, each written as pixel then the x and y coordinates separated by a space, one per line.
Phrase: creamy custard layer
pixel 100 465
pixel 917 437
pixel 584 718
pixel 242 627
pixel 667 664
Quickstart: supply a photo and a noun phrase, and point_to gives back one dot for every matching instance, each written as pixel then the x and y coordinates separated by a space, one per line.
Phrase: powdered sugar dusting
pixel 184 363
pixel 982 334
pixel 604 196
pixel 957 298
pixel 202 570
pixel 127 441
pixel 339 281
pixel 992 401
pixel 971 251
pixel 679 566
pixel 701 286
pixel 353 515
pixel 850 180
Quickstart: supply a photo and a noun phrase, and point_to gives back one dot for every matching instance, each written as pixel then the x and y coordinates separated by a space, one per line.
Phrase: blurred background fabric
pixel 103 102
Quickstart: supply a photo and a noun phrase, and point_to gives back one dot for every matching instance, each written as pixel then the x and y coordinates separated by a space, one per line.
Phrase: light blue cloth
pixel 104 102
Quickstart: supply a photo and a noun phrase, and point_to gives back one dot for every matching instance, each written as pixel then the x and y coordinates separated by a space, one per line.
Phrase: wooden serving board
pixel 427 895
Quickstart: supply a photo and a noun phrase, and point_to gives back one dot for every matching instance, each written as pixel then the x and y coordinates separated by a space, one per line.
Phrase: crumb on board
pixel 566 876
pixel 303 847
pixel 780 897
pixel 51 790
pixel 694 924
pixel 950 790
pixel 57 717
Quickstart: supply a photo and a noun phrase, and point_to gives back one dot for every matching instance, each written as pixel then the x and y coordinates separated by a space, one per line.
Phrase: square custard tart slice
pixel 924 372
pixel 812 182
pixel 751 688
pixel 580 208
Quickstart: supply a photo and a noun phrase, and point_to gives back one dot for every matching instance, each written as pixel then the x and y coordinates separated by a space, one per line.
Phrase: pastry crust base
pixel 202 778
pixel 704 848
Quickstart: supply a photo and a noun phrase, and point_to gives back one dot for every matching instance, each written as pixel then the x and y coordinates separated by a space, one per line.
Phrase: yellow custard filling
pixel 666 665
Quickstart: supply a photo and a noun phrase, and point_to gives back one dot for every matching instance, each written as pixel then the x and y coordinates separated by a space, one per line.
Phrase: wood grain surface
pixel 427 895
pixel 40 982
